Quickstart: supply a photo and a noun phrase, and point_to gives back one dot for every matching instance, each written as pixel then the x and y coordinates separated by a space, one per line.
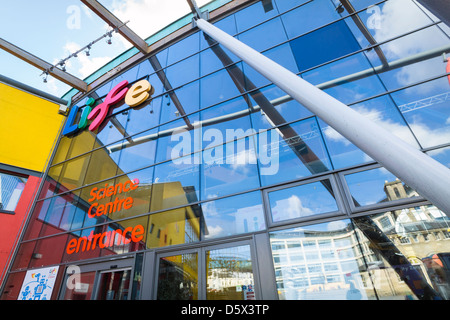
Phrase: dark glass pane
pixel 253 15
pixel 323 45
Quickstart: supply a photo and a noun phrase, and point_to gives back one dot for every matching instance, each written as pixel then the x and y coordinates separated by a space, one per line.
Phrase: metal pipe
pixel 428 177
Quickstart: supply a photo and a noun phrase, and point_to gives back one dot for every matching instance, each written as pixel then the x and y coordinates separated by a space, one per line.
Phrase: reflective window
pixel 73 172
pixel 325 44
pixel 284 5
pixel 183 48
pixel 234 215
pixel 264 36
pixel 11 187
pixel 102 165
pixel 175 183
pixel 183 72
pixel 144 117
pixel 230 274
pixel 136 152
pixel 302 201
pixel 253 15
pixel 229 168
pixel 227 24
pixel 408 253
pixel 184 100
pixel 271 106
pixel 215 58
pixel 291 152
pixel 376 186
pixel 221 85
pixel 320 262
pixel 178 277
pixel 313 14
pixel 177 226
pixel 426 108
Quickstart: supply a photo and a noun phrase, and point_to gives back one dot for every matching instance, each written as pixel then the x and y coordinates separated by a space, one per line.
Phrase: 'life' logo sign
pixel 134 96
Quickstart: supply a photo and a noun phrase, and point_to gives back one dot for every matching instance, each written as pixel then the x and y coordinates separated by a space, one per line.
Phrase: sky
pixel 52 30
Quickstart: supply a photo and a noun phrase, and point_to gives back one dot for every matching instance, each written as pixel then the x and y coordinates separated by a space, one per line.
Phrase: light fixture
pixel 340 8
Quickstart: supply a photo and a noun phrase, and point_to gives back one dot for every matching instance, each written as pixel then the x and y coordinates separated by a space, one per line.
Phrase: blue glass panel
pixel 176 140
pixel 183 48
pixel 230 117
pixel 215 58
pixel 253 15
pixel 184 99
pixel 284 5
pixel 285 106
pixel 325 44
pixel 229 168
pixel 291 152
pixel 144 116
pixel 137 151
pixel 310 16
pixel 220 86
pixel 426 108
pixel 175 183
pixel 129 75
pixel 234 215
pixel 343 153
pixel 183 71
pixel 264 36
pixel 227 25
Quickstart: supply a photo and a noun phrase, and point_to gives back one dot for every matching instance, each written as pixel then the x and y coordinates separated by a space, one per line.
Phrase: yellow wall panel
pixel 29 126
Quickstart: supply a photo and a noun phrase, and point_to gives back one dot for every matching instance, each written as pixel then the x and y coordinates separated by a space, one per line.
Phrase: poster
pixel 38 284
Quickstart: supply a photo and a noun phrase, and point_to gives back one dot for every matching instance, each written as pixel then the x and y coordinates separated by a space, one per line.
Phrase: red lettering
pixel 101 111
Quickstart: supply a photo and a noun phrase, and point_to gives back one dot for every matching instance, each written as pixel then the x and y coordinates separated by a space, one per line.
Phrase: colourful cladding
pixel 29 126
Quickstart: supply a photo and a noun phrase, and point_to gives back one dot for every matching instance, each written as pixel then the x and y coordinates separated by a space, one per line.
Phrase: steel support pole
pixel 419 171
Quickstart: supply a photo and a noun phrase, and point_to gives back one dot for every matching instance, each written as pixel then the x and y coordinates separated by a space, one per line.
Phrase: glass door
pixel 224 272
pixel 114 285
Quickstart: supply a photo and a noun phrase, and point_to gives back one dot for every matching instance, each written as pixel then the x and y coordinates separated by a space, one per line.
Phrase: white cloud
pixel 290 208
pixel 83 66
pixel 149 16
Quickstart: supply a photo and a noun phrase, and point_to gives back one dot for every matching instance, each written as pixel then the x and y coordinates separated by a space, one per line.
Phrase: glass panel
pixel 227 24
pixel 302 201
pixel 253 15
pixel 84 289
pixel 184 100
pixel 291 152
pixel 175 183
pixel 143 117
pixel 284 5
pixel 286 107
pixel 308 16
pixel 73 172
pixel 377 186
pixel 234 215
pixel 229 168
pixel 320 262
pixel 229 274
pixel 343 153
pixel 136 152
pixel 114 285
pixel 426 108
pixel 183 48
pixel 408 253
pixel 264 36
pixel 11 188
pixel 215 58
pixel 183 72
pixel 177 226
pixel 221 86
pixel 178 277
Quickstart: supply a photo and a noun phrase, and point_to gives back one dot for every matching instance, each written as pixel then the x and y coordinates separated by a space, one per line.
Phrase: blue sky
pixel 52 30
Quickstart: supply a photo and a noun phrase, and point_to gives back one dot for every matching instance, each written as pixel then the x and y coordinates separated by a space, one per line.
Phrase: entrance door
pixel 224 272
pixel 110 280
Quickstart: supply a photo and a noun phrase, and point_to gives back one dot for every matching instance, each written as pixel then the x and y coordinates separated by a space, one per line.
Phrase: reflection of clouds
pixel 401 16
pixel 290 208
pixel 376 116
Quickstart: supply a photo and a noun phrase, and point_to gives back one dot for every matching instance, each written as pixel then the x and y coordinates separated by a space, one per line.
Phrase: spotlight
pixel 88 53
pixel 340 8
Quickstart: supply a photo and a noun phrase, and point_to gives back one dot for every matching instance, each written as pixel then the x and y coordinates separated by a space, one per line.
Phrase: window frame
pixel 14 174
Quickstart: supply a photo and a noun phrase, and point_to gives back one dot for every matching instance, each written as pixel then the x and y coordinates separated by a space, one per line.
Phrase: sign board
pixel 38 284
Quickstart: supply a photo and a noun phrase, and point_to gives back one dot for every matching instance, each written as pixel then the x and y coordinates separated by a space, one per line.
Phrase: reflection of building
pixel 25 148
pixel 185 208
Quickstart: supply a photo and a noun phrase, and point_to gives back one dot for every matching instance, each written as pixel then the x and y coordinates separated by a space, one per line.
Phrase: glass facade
pixel 219 155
